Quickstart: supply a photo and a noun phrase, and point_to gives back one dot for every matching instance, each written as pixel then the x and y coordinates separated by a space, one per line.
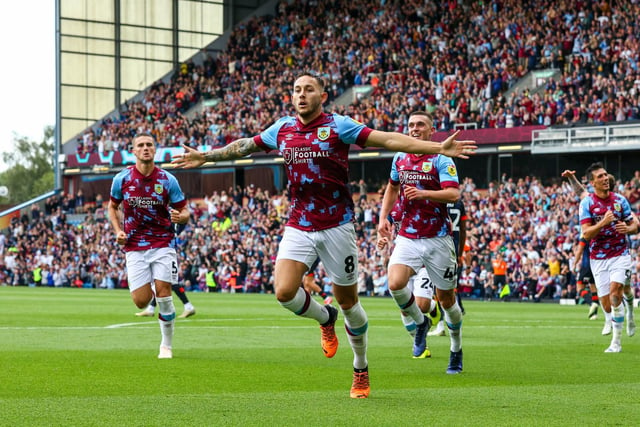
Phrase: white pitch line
pixel 154 323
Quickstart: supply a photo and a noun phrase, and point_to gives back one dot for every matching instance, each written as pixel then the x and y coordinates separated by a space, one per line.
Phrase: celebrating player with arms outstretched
pixel 315 147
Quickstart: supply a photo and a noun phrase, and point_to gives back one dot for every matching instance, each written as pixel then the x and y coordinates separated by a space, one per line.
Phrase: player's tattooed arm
pixel 192 158
pixel 239 148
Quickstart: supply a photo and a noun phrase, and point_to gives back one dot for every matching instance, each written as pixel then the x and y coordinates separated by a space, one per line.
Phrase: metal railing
pixel 581 139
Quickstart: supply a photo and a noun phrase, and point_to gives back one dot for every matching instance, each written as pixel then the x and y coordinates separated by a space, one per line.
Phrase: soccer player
pixel 420 286
pixel 315 147
pixel 425 184
pixel 585 267
pixel 151 200
pixel 606 219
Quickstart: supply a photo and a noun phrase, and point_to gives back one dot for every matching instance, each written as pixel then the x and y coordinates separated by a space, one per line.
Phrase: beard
pixel 310 110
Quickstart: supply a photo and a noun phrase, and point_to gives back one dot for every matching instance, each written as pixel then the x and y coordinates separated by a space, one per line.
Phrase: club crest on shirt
pixel 451 170
pixel 617 207
pixel 426 166
pixel 323 133
pixel 157 188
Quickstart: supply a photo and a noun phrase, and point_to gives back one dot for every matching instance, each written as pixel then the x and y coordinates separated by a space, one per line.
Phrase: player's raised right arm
pixel 237 149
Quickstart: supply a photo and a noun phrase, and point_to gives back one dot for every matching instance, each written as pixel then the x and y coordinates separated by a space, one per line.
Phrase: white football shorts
pixel 146 266
pixel 336 248
pixel 421 285
pixel 436 254
pixel 605 271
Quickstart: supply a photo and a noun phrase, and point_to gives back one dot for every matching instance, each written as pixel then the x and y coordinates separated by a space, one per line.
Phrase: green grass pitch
pixel 79 357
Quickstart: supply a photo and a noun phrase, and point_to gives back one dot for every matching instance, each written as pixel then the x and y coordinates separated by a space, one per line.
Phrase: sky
pixel 27 74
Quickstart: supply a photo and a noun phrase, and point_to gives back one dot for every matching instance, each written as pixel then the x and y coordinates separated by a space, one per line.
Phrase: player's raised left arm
pixel 395 141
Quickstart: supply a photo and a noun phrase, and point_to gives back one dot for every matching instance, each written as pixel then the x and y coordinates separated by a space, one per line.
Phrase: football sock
pixel 305 306
pixel 453 317
pixel 617 318
pixel 628 299
pixel 179 290
pixel 607 316
pixel 166 318
pixel 459 299
pixel 409 324
pixel 152 304
pixel 356 323
pixel 407 302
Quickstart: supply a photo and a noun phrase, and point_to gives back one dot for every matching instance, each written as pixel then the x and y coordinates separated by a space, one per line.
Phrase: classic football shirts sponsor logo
pixel 409 177
pixel 297 155
pixel 143 202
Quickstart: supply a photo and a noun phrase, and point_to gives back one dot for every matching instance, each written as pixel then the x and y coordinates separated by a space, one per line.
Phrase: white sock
pixel 188 306
pixel 607 317
pixel 407 303
pixel 409 323
pixel 314 310
pixel 617 317
pixel 166 319
pixel 628 300
pixel 356 323
pixel 453 317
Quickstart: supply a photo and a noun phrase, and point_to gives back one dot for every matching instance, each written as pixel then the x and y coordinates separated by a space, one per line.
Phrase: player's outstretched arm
pixel 235 150
pixel 577 187
pixel 395 141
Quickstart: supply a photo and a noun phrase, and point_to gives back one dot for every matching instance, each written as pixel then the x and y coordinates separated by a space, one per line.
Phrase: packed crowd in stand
pixel 456 60
pixel 231 241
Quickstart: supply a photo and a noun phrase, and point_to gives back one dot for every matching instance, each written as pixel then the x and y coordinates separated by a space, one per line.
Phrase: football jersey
pixel 316 159
pixel 423 218
pixel 608 243
pixel 145 204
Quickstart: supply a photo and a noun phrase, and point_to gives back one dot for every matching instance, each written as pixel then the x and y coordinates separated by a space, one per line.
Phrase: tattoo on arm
pixel 576 185
pixel 239 148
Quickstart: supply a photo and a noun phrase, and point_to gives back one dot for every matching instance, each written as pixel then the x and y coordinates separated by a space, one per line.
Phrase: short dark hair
pixel 140 134
pixel 594 167
pixel 423 114
pixel 314 76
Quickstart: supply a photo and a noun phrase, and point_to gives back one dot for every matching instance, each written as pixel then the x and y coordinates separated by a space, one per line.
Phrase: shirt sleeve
pixel 116 188
pixel 447 172
pixel 394 177
pixel 584 212
pixel 176 196
pixel 351 131
pixel 268 139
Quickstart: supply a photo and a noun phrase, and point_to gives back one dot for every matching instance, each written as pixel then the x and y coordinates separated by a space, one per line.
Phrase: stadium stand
pixel 469 64
pixel 462 62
